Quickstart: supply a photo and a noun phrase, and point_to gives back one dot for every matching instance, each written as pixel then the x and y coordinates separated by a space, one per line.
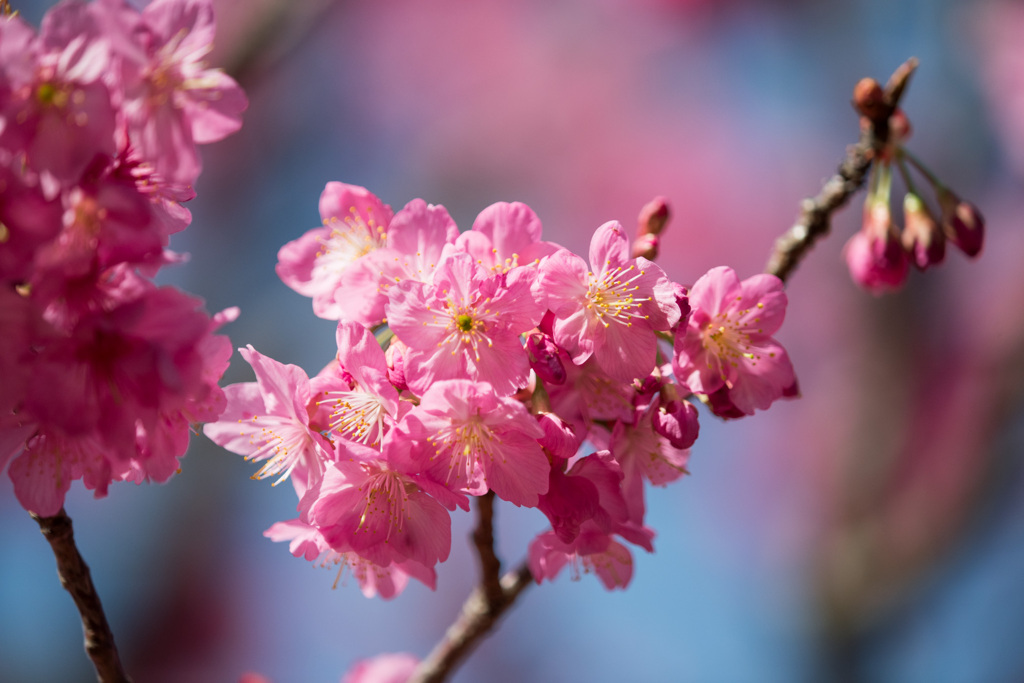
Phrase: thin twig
pixel 816 213
pixel 74 576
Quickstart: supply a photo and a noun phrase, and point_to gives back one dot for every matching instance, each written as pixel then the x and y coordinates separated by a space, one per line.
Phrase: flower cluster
pixel 880 254
pixel 103 371
pixel 493 362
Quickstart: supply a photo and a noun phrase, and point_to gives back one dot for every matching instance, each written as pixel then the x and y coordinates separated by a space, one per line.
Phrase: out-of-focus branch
pixel 485 604
pixel 816 213
pixel 74 576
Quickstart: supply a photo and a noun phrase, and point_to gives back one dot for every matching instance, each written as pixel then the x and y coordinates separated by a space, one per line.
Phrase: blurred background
pixel 872 530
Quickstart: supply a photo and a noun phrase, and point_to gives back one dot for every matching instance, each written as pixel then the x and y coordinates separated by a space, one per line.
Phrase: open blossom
pixel 172 101
pixel 417 240
pixel 366 506
pixel 465 324
pixel 505 236
pixel 355 223
pixel 727 343
pixel 268 420
pixel 470 439
pixel 60 113
pixel 592 551
pixel 364 410
pixel 388 581
pixel 612 311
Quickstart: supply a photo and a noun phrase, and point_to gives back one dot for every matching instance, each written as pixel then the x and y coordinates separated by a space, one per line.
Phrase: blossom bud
pixel 869 98
pixel 962 222
pixel 921 237
pixel 394 356
pixel 653 217
pixel 899 128
pixel 875 255
pixel 646 246
pixel 544 360
pixel 676 420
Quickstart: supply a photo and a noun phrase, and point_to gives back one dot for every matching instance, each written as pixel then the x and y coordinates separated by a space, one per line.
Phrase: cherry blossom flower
pixel 388 582
pixel 268 420
pixel 727 342
pixel 172 101
pixel 60 114
pixel 355 223
pixel 612 311
pixel 362 411
pixel 593 551
pixel 470 439
pixel 365 505
pixel 465 324
pixel 418 238
pixel 506 236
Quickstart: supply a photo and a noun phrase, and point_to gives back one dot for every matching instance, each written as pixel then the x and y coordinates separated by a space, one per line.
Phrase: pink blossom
pixel 727 342
pixel 591 552
pixel 465 324
pixel 505 236
pixel 363 411
pixel 589 395
pixel 611 312
pixel 268 420
pixel 644 455
pixel 60 113
pixel 364 505
pixel 306 541
pixel 388 668
pixel 172 102
pixel 470 439
pixel 418 238
pixel 49 462
pixel 355 223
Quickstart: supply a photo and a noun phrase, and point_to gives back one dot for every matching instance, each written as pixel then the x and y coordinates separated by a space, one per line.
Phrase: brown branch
pixel 816 213
pixel 477 619
pixel 483 539
pixel 74 576
pixel 482 608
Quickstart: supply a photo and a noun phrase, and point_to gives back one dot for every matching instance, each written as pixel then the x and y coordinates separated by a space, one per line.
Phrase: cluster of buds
pixel 880 254
pixel 513 367
pixel 103 371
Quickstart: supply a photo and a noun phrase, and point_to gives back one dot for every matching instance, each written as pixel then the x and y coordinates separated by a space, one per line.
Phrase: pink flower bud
pixel 544 358
pixel 677 422
pixel 646 246
pixel 394 356
pixel 653 218
pixel 874 255
pixel 922 237
pixel 962 222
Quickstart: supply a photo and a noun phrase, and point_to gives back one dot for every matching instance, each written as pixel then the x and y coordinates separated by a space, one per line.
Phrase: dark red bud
pixel 962 222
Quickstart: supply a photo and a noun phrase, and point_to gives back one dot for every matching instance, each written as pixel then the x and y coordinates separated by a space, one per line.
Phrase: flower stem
pixel 74 576
pixel 815 217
